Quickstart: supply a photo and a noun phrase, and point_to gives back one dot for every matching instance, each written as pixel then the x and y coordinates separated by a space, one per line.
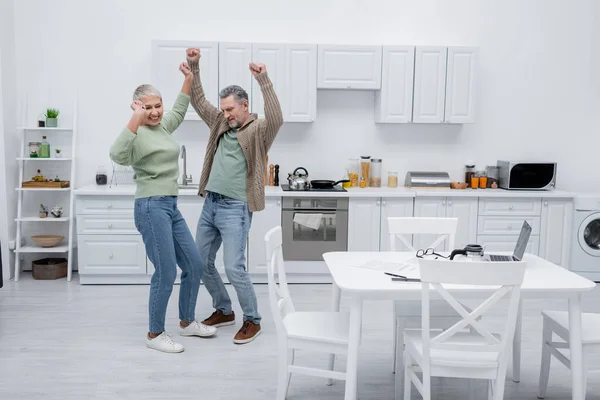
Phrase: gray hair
pixel 145 90
pixel 237 92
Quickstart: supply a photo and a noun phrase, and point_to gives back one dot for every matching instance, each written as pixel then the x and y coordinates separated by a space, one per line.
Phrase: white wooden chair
pixel 407 314
pixel 557 322
pixel 313 331
pixel 477 354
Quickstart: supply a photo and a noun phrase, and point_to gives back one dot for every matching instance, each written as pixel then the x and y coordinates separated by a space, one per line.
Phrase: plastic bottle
pixel 44 148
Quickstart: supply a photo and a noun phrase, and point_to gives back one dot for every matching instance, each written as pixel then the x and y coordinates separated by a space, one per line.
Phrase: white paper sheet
pixel 409 269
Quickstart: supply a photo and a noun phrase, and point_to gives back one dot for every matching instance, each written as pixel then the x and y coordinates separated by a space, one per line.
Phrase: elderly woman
pixel 148 146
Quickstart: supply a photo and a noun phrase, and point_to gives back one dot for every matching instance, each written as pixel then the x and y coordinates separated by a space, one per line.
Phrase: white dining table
pixel 543 279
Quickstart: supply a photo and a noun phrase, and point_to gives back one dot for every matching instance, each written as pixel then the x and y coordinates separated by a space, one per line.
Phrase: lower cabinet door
pixel 111 254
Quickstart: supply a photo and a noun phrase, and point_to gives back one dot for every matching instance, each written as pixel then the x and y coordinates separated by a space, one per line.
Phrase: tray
pixel 50 184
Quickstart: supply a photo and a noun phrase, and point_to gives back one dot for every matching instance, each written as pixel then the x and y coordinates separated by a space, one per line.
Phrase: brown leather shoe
pixel 219 319
pixel 247 333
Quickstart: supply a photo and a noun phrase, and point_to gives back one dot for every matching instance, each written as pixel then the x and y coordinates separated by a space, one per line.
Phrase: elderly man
pixel 232 182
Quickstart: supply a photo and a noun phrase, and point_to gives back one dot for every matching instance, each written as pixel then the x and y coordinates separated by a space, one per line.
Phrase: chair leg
pixel 585 373
pixel 545 363
pixel 291 355
pixel 490 389
pixel 407 380
pixel 282 374
pixel 498 386
pixel 395 328
pixel 426 383
pixel 399 348
pixel 331 365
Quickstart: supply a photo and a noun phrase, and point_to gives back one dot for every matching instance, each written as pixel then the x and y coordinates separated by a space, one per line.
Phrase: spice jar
pixel 392 179
pixel 34 149
pixel 101 177
pixel 353 171
pixel 469 172
pixel 365 167
pixel 375 180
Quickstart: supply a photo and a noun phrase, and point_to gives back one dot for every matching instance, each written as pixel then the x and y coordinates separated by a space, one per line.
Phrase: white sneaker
pixel 198 329
pixel 164 342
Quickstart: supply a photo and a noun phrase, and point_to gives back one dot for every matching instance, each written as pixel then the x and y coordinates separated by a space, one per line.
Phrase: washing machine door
pixel 588 235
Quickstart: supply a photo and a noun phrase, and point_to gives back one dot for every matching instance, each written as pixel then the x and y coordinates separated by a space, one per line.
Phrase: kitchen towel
pixel 312 221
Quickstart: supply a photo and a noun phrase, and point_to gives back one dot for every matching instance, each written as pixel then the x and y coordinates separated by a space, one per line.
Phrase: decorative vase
pixel 51 122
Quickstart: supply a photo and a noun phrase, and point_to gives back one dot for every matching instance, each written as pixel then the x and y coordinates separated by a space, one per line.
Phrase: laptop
pixel 519 247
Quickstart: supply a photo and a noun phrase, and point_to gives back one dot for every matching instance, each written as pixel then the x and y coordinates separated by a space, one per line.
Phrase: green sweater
pixel 153 153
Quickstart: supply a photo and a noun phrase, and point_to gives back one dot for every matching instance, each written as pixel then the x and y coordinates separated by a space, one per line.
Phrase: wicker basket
pixel 49 268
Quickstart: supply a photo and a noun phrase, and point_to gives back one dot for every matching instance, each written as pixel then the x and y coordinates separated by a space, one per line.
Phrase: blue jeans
pixel 168 243
pixel 226 220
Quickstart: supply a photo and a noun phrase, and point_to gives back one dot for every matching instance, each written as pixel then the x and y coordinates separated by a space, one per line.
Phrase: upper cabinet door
pixel 349 67
pixel 430 84
pixel 166 57
pixel 394 102
pixel 300 98
pixel 461 84
pixel 234 62
pixel 273 56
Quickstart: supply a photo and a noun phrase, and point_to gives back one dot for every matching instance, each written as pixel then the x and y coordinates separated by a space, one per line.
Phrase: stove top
pixel 336 188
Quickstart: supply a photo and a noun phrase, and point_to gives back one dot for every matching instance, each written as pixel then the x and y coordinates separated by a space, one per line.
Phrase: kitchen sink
pixel 194 186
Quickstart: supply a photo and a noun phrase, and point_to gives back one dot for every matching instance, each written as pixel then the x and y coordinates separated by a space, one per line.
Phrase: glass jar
pixel 44 148
pixel 353 171
pixel 101 177
pixel 365 168
pixel 469 172
pixel 34 149
pixel 392 179
pixel 375 179
pixel 492 175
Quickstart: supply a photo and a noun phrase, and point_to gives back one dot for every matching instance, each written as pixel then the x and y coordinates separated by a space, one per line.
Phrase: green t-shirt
pixel 229 168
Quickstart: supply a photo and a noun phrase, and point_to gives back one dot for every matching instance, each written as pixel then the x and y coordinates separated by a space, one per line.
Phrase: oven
pixel 327 229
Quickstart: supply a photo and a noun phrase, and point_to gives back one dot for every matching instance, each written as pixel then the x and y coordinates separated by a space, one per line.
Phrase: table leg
pixel 576 347
pixel 336 294
pixel 516 372
pixel 353 342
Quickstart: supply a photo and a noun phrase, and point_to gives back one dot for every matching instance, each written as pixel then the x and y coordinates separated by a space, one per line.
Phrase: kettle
pixel 298 180
pixel 470 251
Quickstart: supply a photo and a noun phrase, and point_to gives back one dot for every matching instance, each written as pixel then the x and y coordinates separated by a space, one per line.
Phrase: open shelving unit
pixel 31 216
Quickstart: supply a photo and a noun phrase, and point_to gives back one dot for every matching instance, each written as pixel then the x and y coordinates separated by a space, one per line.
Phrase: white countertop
pixel 270 191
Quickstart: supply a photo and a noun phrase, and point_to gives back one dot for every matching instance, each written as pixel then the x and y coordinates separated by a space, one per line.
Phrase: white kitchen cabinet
pixel 430 84
pixel 292 69
pixel 299 102
pixel 166 57
pixel 555 240
pixel 465 209
pixel 273 56
pixel 262 222
pixel 394 102
pixel 364 216
pixel 349 67
pixel 461 87
pixel 111 254
pixel 394 207
pixel 234 67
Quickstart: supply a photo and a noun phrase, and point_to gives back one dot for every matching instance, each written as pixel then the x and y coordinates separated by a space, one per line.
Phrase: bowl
pixel 47 240
pixel 458 185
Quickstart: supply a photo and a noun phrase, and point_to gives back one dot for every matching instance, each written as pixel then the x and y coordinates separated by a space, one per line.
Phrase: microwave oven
pixel 526 175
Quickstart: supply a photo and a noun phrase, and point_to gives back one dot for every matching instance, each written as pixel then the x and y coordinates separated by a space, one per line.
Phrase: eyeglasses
pixel 428 252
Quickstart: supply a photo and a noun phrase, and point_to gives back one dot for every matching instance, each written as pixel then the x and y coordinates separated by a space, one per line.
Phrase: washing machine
pixel 585 244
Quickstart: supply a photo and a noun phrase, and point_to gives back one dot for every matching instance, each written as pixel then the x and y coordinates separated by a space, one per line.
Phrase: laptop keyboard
pixel 497 257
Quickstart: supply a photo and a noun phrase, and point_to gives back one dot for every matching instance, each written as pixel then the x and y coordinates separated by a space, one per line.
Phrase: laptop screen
pixel 522 241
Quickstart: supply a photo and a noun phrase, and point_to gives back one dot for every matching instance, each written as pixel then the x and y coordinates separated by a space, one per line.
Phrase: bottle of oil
pixel 44 148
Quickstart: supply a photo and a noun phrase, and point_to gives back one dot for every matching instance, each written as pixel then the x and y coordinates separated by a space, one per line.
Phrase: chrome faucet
pixel 185 179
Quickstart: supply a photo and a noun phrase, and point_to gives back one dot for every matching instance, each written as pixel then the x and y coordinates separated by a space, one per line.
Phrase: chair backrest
pixel 500 278
pixel 279 295
pixel 398 227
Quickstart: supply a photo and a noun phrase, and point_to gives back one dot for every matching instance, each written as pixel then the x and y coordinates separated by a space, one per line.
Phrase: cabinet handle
pixel 110 256
pixel 510 207
pixel 509 226
pixel 383 202
pixel 449 203
pixel 443 202
pixel 109 226
pixel 378 202
pixel 109 205
pixel 278 202
pixel 545 204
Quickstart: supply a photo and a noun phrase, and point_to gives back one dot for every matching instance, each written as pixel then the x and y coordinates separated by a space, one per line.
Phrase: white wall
pixel 8 134
pixel 536 60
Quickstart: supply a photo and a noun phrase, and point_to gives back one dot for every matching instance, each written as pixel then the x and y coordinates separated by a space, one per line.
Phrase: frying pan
pixel 322 184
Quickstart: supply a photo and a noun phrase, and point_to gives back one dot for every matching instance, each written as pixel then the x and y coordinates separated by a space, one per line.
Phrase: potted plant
pixel 58 155
pixel 52 117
